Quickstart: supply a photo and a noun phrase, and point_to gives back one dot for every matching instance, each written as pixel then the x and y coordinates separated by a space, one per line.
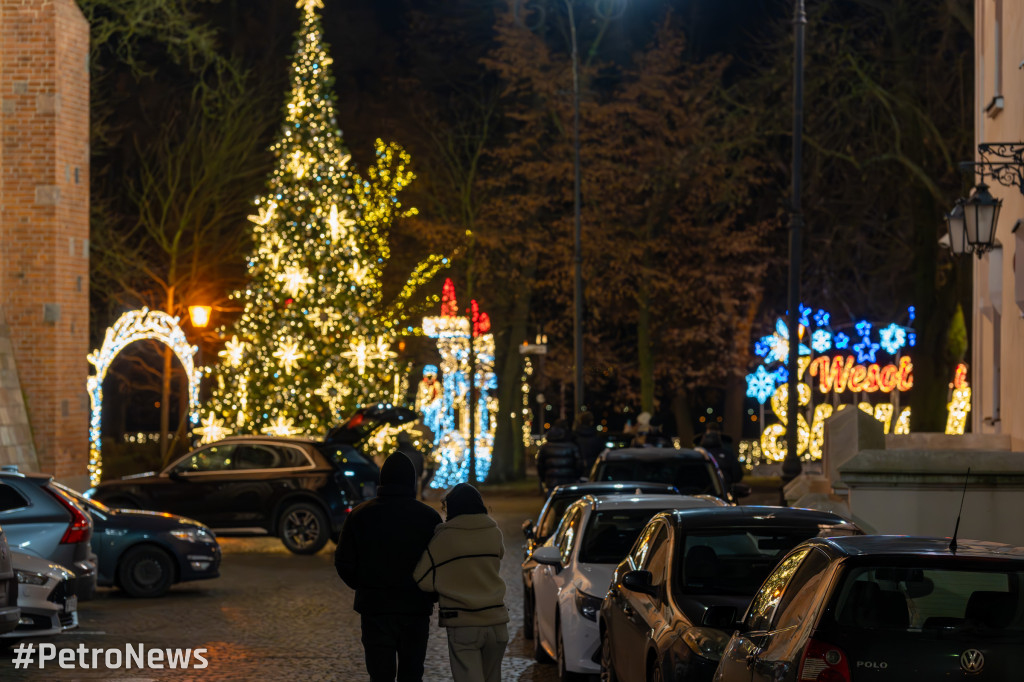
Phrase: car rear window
pixel 11 498
pixel 689 476
pixel 982 599
pixel 610 534
pixel 733 560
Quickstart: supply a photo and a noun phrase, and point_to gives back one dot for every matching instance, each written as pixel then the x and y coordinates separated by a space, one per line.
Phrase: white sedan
pixel 46 597
pixel 575 567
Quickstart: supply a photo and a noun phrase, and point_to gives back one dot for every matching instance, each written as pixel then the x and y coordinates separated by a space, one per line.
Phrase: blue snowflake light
pixel 821 341
pixel 821 318
pixel 892 338
pixel 782 375
pixel 763 347
pixel 842 341
pixel 760 385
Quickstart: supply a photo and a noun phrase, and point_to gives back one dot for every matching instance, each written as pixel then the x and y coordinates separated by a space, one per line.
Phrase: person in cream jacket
pixel 461 565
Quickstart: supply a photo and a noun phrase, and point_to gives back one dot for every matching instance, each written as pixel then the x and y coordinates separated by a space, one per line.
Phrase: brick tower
pixel 44 235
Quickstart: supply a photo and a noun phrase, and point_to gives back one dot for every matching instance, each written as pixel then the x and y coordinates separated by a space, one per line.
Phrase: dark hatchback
pixel 298 489
pixel 691 471
pixel 652 620
pixel 551 514
pixel 144 552
pixel 884 608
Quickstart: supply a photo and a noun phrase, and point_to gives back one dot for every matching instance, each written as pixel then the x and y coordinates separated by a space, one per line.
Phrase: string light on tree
pixel 314 303
pixel 212 429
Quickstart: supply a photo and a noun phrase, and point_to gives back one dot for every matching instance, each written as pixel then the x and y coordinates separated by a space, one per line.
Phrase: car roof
pixel 275 439
pixel 652 454
pixel 37 478
pixel 653 501
pixel 604 487
pixel 905 545
pixel 754 515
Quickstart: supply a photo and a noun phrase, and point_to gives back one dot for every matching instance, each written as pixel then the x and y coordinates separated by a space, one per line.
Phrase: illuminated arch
pixel 137 325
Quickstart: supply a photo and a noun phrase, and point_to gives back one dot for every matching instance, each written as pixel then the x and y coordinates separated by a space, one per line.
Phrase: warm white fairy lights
pixel 315 338
pixel 133 326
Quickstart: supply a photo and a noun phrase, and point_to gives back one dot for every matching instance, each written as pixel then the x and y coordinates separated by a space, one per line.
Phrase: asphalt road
pixel 270 616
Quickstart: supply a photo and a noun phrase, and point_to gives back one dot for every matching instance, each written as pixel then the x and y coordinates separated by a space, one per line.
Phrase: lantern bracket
pixel 1000 161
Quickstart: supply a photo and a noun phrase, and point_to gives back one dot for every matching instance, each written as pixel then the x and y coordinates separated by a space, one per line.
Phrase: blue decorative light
pixel 782 375
pixel 821 341
pixel 892 338
pixel 866 351
pixel 821 318
pixel 864 329
pixel 781 329
pixel 912 339
pixel 762 348
pixel 912 312
pixel 804 315
pixel 841 341
pixel 760 385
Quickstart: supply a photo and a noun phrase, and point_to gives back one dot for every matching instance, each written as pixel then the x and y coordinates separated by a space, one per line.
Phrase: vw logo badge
pixel 972 661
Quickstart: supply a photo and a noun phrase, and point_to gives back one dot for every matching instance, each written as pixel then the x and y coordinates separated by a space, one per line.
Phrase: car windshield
pixel 689 476
pixel 983 599
pixel 611 533
pixel 732 560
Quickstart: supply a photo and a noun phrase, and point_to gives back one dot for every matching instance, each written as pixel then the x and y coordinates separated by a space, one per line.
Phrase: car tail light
pixel 824 662
pixel 80 527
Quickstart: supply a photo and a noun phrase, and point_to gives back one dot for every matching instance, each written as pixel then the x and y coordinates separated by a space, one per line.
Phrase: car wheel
pixel 527 613
pixel 539 654
pixel 303 528
pixel 145 571
pixel 607 665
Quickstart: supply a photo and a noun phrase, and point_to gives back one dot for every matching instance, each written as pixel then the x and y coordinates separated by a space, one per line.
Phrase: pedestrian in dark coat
pixel 588 440
pixel 715 442
pixel 408 448
pixel 558 460
pixel 380 543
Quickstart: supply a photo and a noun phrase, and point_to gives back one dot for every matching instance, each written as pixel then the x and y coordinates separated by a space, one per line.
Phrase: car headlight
pixel 706 642
pixel 31 578
pixel 194 535
pixel 587 605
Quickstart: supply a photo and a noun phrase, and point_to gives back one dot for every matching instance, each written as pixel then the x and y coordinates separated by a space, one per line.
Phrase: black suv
pixel 299 489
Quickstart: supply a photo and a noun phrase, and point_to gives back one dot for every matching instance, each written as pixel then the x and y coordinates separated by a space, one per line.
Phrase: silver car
pixel 9 612
pixel 45 596
pixel 39 519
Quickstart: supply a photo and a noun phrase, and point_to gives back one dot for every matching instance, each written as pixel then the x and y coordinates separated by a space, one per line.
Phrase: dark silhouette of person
pixel 720 447
pixel 380 543
pixel 408 448
pixel 588 440
pixel 558 460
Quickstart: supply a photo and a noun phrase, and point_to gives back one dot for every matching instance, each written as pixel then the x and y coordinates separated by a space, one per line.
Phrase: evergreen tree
pixel 315 337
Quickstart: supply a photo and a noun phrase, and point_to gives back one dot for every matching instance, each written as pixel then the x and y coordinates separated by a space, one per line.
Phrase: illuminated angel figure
pixel 428 400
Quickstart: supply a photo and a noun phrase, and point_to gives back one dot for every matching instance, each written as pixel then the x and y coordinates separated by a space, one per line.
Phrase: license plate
pixel 71 605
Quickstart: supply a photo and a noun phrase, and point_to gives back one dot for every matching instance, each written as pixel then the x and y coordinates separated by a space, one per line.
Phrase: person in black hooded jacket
pixel 558 460
pixel 380 543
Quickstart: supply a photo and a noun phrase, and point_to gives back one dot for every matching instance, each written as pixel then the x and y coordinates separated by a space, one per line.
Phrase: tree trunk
pixel 645 355
pixel 509 454
pixel 684 419
pixel 734 417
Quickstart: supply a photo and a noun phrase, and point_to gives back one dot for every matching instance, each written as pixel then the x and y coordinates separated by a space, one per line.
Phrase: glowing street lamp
pixel 199 315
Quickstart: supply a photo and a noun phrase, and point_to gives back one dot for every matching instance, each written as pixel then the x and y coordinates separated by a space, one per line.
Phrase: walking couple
pixel 399 557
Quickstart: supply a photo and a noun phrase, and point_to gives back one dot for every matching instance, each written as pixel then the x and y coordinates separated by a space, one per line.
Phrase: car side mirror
pixel 720 616
pixel 740 490
pixel 639 581
pixel 548 556
pixel 528 529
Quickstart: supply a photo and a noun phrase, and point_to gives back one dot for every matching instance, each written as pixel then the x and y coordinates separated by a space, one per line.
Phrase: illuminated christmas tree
pixel 315 338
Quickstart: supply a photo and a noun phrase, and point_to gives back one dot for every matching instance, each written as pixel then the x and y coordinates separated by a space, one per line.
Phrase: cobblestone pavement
pixel 271 616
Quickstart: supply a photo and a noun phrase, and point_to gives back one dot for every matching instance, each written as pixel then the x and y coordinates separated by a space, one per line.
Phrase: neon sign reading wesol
pixel 839 374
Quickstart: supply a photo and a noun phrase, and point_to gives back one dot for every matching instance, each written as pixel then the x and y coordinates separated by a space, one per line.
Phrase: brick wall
pixel 44 220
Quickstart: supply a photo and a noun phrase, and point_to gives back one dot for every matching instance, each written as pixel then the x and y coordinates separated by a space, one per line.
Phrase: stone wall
pixel 44 224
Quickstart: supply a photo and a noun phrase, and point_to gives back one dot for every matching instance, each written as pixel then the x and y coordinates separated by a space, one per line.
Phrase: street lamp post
pixel 577 252
pixel 791 466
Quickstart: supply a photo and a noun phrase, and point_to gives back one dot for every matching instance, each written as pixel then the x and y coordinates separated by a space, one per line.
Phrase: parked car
pixel 685 561
pixel 551 514
pixel 883 608
pixel 9 611
pixel 145 553
pixel 37 518
pixel 691 471
pixel 575 567
pixel 46 597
